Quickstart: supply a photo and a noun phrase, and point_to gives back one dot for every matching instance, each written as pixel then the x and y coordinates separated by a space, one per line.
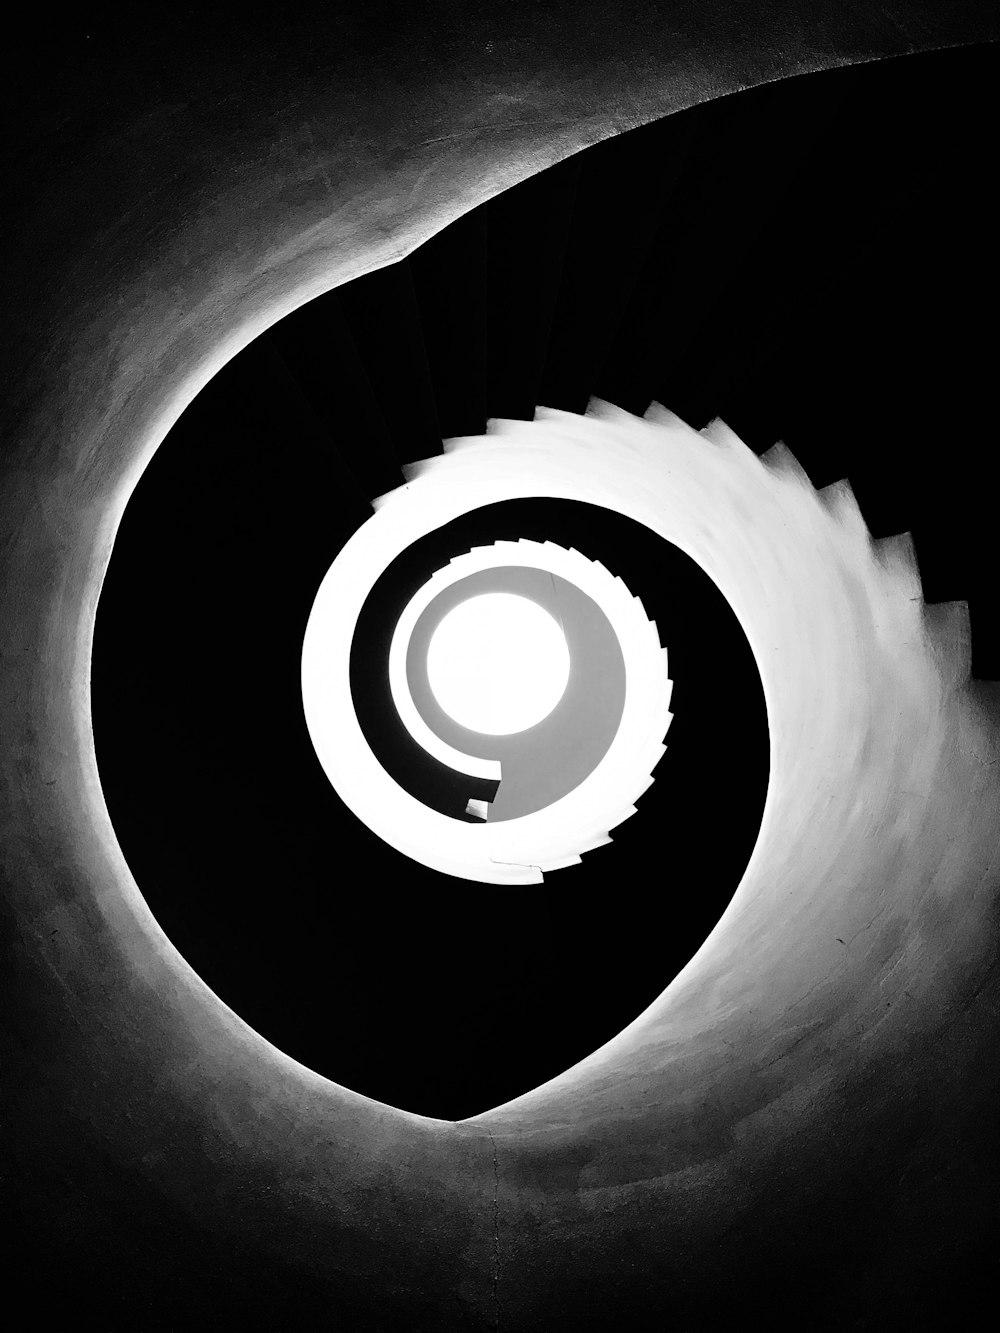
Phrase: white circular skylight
pixel 498 663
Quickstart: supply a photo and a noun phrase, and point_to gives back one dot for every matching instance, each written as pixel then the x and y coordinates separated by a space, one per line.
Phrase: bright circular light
pixel 498 663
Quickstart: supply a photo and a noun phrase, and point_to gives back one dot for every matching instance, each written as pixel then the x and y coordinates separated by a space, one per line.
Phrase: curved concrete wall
pixel 798 1131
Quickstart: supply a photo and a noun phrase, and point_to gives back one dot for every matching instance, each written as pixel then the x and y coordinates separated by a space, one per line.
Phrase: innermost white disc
pixel 498 663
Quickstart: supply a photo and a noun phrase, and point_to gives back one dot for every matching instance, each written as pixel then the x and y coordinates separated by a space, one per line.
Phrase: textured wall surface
pixel 800 1130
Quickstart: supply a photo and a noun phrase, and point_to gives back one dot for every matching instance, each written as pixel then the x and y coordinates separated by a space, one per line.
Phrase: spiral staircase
pixel 569 283
pixel 758 320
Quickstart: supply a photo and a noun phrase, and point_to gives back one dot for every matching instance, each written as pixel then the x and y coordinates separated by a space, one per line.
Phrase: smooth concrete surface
pixel 800 1130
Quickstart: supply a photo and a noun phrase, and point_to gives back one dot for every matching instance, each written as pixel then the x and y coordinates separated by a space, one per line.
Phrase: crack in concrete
pixel 496 1233
pixel 525 865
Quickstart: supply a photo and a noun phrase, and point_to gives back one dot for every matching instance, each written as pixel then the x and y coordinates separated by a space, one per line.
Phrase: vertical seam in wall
pixel 496 1234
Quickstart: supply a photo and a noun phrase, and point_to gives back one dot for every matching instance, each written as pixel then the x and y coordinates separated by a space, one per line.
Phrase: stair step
pixel 780 460
pixel 455 443
pixel 717 432
pixel 663 416
pixel 594 843
pixel 601 410
pixel 841 503
pixel 897 556
pixel 418 467
pixel 949 631
pixel 378 501
pixel 557 415
pixel 511 428
pixel 562 863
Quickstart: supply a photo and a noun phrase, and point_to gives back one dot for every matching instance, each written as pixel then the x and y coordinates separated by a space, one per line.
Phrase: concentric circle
pixel 518 850
pixel 498 663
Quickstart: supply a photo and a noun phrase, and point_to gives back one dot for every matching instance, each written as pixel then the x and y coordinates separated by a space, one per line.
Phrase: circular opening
pixel 498 663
